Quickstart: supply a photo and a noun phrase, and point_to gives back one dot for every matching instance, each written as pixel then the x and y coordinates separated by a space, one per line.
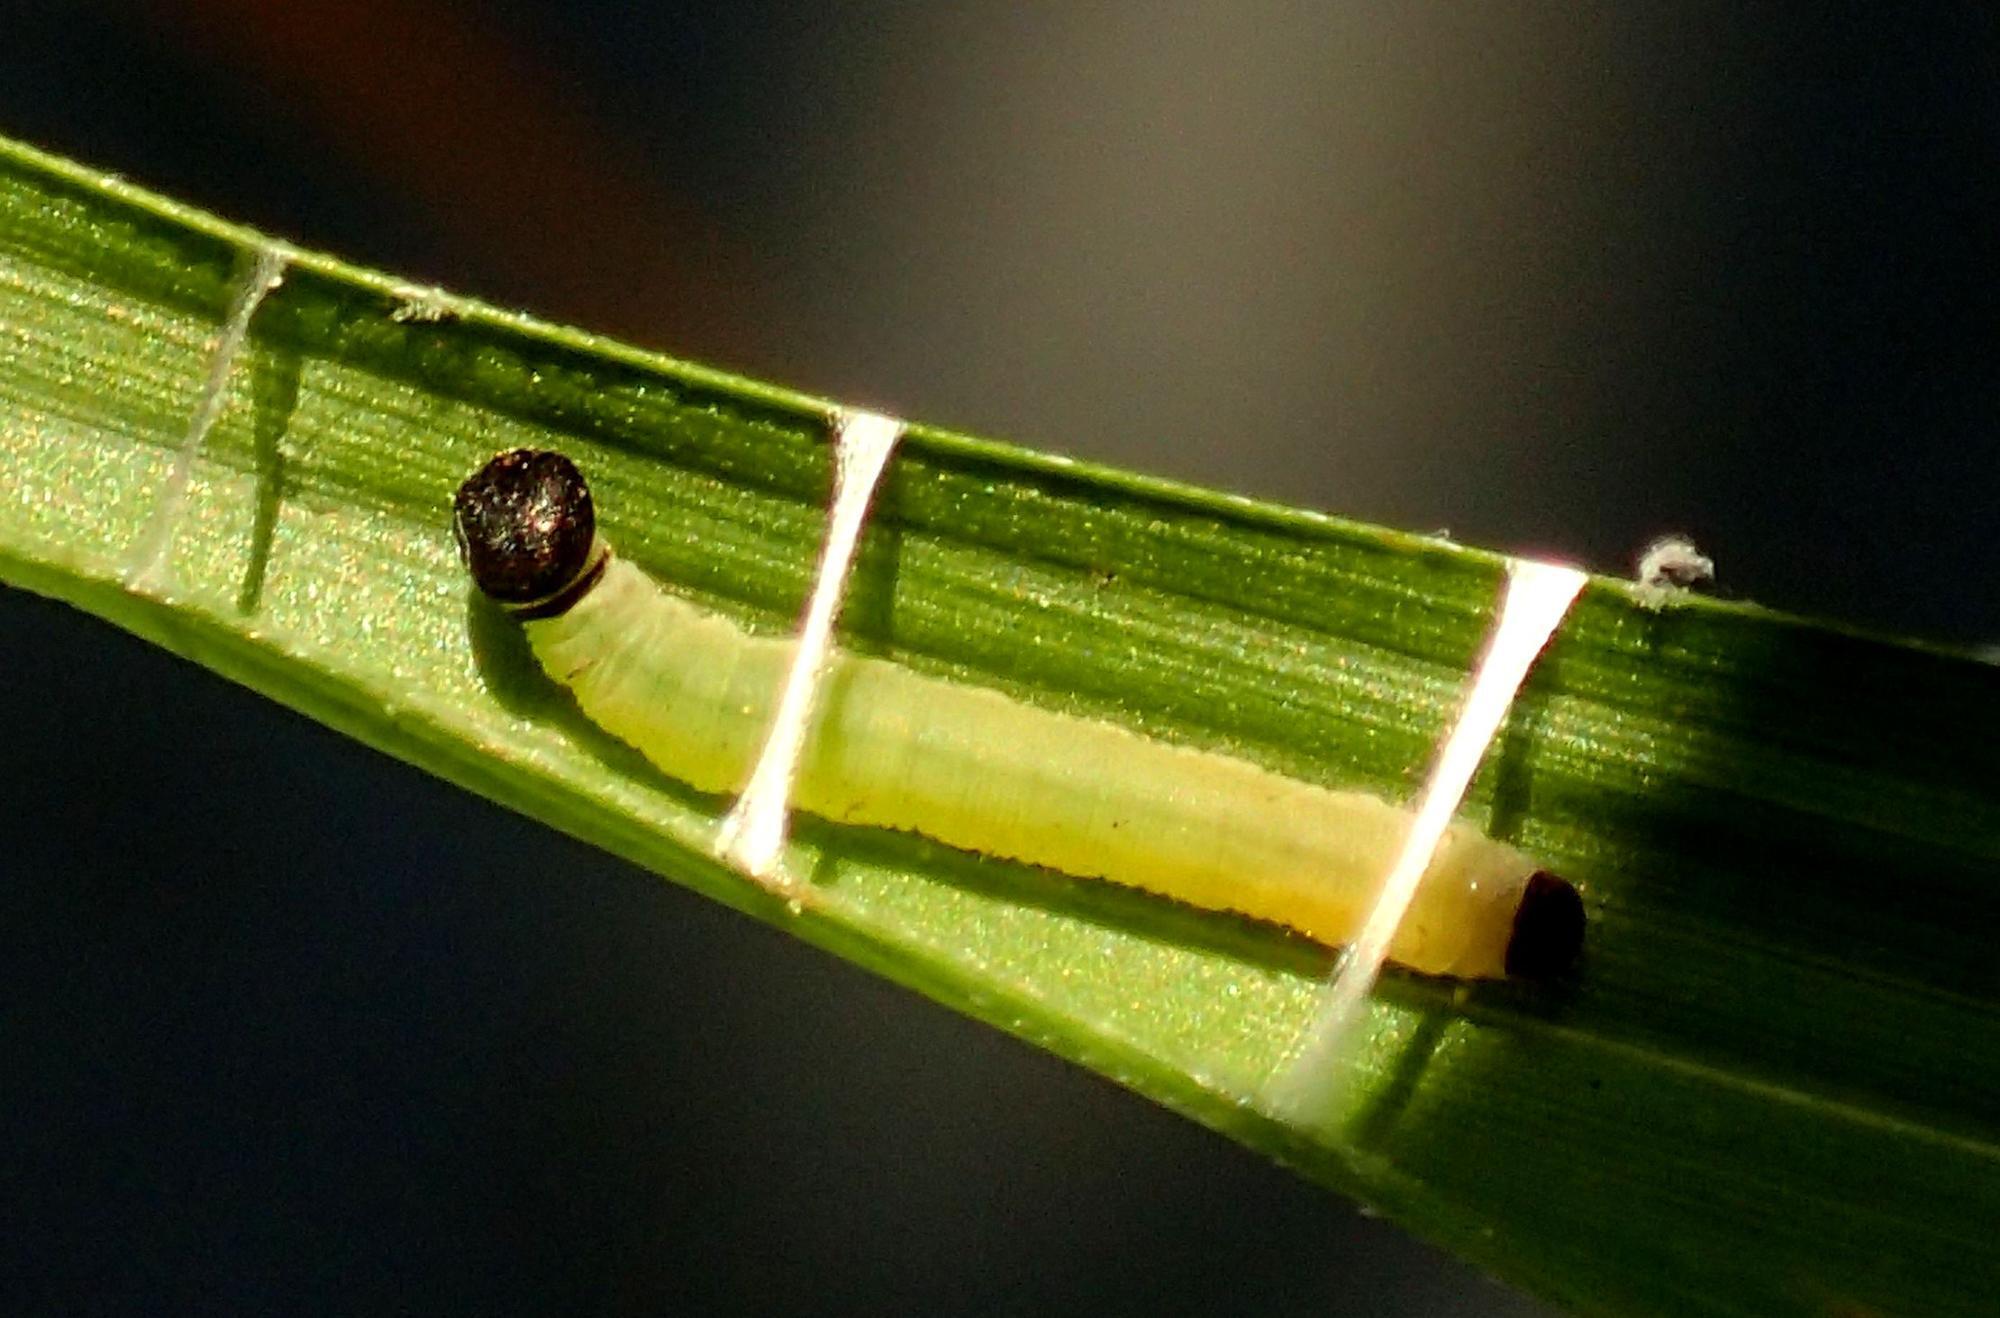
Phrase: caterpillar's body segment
pixel 978 770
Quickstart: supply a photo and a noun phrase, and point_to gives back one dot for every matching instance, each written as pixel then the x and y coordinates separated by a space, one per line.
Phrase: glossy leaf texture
pixel 1771 1086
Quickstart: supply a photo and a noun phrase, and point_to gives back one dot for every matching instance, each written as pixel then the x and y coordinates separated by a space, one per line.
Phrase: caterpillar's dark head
pixel 526 528
pixel 1548 928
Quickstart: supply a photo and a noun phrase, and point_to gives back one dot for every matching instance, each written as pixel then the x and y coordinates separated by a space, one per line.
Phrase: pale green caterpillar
pixel 978 770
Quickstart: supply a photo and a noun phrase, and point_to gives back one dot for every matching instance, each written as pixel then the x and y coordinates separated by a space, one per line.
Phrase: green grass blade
pixel 1771 1089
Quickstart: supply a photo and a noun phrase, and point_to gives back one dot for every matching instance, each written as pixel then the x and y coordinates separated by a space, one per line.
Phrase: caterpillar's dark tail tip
pixel 1548 928
pixel 525 526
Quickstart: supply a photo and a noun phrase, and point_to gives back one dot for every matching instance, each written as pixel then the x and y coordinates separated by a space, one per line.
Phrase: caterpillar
pixel 978 770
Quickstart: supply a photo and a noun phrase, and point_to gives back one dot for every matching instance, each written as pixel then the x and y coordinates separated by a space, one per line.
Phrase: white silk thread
pixel 148 567
pixel 1537 598
pixel 753 835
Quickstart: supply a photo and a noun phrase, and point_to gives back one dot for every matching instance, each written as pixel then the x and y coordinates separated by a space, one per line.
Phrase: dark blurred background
pixel 290 1027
